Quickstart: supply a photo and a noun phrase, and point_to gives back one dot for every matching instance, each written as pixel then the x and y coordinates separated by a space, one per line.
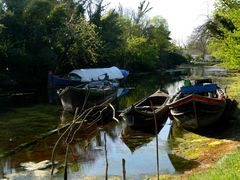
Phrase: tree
pixel 110 32
pixel 199 40
pixel 142 56
pixel 143 9
pixel 86 43
pixel 225 34
pixel 41 35
pixel 158 33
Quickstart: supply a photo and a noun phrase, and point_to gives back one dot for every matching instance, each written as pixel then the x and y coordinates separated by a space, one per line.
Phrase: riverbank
pixel 216 153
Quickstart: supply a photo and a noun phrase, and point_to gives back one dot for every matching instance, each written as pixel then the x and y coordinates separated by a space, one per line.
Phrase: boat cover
pixel 124 72
pixel 95 74
pixel 199 88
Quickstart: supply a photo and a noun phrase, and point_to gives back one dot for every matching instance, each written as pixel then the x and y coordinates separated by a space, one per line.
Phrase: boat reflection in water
pixel 122 142
pixel 135 139
pixel 142 146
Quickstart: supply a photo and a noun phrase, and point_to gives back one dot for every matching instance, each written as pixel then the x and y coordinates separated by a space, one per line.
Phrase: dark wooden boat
pixel 141 114
pixel 197 106
pixel 87 96
pixel 55 81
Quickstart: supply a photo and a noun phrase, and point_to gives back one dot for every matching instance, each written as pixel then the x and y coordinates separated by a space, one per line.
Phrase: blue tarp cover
pixel 198 88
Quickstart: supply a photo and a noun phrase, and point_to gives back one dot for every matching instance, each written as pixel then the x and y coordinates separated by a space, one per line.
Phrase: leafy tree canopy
pixel 225 31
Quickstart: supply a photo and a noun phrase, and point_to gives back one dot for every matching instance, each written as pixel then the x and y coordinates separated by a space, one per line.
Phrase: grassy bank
pixel 228 167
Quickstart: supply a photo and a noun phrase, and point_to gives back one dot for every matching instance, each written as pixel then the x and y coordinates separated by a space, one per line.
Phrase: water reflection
pixel 135 139
pixel 87 152
pixel 117 149
pixel 6 167
pixel 205 72
pixel 135 161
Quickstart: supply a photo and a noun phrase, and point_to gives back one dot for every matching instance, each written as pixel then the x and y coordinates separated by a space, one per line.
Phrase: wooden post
pixel 106 157
pixel 156 134
pixel 123 169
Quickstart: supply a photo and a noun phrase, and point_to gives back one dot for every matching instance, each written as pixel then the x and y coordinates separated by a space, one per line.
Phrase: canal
pixel 26 150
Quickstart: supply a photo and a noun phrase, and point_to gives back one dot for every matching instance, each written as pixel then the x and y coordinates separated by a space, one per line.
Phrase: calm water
pixel 87 153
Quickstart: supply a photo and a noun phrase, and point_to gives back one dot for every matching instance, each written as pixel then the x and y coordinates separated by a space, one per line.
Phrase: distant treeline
pixel 37 36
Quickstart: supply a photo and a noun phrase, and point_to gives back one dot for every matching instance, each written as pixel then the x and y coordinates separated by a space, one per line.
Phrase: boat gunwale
pixel 157 93
pixel 196 98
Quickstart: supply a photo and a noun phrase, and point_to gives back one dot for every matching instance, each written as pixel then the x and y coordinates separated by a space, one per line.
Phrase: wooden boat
pixel 87 96
pixel 197 106
pixel 84 76
pixel 55 81
pixel 141 114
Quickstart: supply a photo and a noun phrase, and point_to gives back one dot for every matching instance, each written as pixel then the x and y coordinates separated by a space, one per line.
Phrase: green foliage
pixel 85 42
pixel 37 36
pixel 136 46
pixel 110 33
pixel 141 55
pixel 225 27
pixel 171 59
pixel 1 27
pixel 158 33
pixel 188 57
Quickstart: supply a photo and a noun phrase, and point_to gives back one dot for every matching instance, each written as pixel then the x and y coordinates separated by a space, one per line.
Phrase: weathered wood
pixel 123 169
pixel 106 156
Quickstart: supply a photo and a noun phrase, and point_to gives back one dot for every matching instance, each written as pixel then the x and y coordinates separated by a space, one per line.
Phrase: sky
pixel 182 15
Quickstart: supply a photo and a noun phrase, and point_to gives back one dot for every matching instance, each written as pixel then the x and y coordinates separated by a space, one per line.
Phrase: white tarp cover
pixel 94 74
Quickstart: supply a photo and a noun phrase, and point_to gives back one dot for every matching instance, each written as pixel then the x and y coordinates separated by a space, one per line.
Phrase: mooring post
pixel 123 169
pixel 105 148
pixel 156 134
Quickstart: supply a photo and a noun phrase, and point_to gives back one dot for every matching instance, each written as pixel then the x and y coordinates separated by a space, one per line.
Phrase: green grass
pixel 227 168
